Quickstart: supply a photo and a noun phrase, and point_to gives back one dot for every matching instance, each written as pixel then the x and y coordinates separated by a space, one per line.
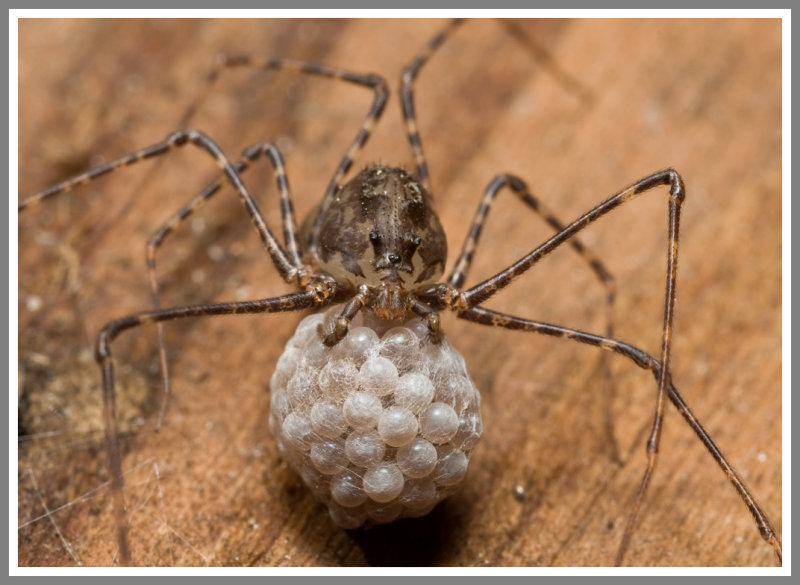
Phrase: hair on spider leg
pixel 391 297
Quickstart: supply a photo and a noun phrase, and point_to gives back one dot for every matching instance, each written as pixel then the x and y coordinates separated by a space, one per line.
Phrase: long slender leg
pixel 461 301
pixel 462 265
pixel 176 140
pixel 292 302
pixel 249 156
pixel 371 80
pixel 481 292
pixel 645 361
pixel 677 194
pixel 289 266
pixel 407 78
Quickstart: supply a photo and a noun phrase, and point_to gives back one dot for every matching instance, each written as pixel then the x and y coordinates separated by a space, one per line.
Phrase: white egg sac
pixel 382 425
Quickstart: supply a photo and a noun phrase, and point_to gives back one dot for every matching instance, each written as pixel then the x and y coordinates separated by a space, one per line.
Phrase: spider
pixel 493 211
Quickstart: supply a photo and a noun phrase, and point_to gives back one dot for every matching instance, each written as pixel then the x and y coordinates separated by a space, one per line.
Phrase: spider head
pixel 381 228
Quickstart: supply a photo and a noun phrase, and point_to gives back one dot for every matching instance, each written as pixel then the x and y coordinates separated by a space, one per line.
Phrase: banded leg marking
pixel 369 80
pixel 176 140
pixel 645 361
pixel 483 291
pixel 462 266
pixel 407 79
pixel 249 156
pixel 103 356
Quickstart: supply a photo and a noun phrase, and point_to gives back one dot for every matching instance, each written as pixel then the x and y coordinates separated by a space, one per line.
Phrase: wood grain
pixel 610 102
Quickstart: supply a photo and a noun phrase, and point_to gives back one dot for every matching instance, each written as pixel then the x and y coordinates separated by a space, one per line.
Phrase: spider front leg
pixel 249 156
pixel 645 361
pixel 466 304
pixel 461 301
pixel 282 261
pixel 177 140
pixel 370 80
pixel 287 264
pixel 314 296
pixel 462 265
pixel 407 78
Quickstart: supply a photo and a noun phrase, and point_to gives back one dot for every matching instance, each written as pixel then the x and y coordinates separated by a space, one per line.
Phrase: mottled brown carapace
pixel 380 227
pixel 379 230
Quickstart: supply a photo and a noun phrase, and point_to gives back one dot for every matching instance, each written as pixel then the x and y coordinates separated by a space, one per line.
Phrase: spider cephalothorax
pixel 379 230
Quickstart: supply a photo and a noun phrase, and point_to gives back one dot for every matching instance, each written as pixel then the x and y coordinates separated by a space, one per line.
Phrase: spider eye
pixel 416 241
pixel 374 237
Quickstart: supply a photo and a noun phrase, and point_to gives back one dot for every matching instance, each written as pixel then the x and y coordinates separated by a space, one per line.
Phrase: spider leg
pixel 645 361
pixel 176 140
pixel 476 295
pixel 249 156
pixel 462 265
pixel 370 80
pixel 288 266
pixel 444 295
pixel 407 78
pixel 346 315
pixel 314 296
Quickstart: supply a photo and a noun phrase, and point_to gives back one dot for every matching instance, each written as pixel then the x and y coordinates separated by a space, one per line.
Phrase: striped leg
pixel 464 261
pixel 175 140
pixel 249 156
pixel 645 361
pixel 483 291
pixel 292 302
pixel 288 266
pixel 407 78
pixel 479 293
pixel 372 81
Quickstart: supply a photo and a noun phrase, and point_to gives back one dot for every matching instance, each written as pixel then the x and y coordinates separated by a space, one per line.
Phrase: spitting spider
pixel 196 502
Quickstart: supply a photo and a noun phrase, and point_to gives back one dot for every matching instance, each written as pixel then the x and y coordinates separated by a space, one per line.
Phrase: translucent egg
pixel 365 449
pixel 327 419
pixel 384 482
pixel 438 422
pixel 417 459
pixel 419 493
pixel 419 326
pixel 383 513
pixel 456 391
pixel 347 518
pixel 297 431
pixel 451 468
pixel 401 346
pixel 414 391
pixel 302 388
pixel 337 378
pixel 378 376
pixel 470 429
pixel 347 490
pixel 305 330
pixel 362 410
pixel 397 426
pixel 358 343
pixel 328 457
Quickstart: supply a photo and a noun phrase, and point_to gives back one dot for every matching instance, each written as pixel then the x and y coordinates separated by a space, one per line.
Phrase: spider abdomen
pixel 382 425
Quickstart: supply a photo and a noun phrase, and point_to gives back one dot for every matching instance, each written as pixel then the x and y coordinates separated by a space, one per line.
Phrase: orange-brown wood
pixel 610 102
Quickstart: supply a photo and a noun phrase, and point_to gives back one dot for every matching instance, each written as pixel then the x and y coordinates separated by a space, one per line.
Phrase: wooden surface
pixel 611 102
